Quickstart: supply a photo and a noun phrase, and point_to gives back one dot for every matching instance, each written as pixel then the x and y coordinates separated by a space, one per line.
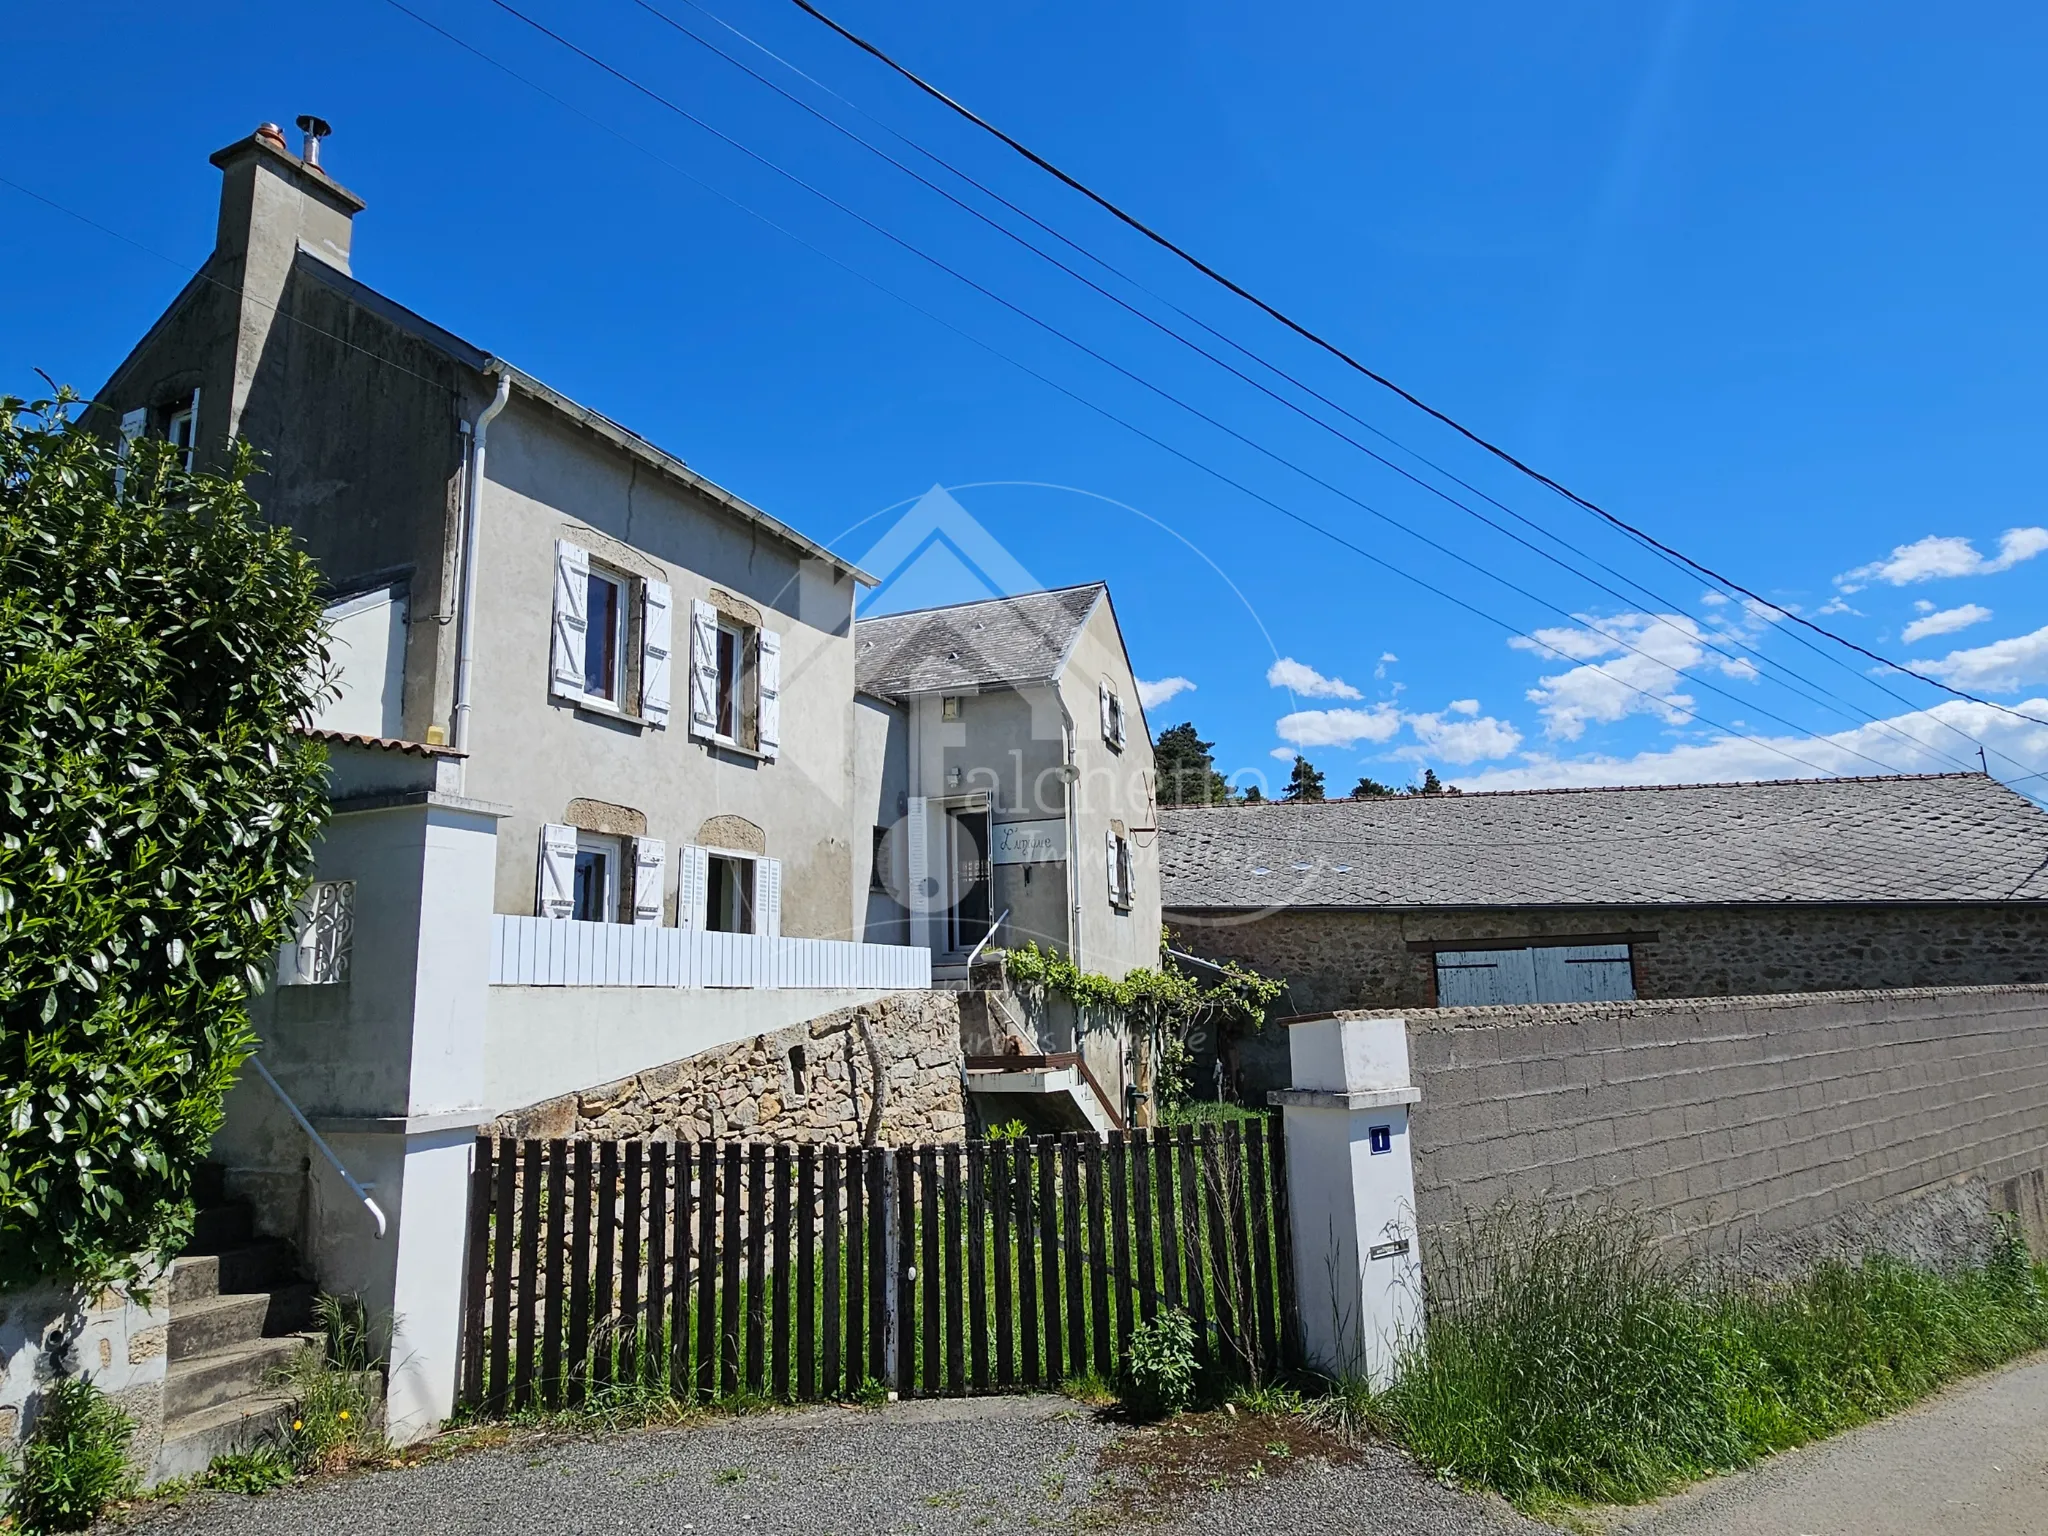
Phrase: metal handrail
pixel 974 954
pixel 306 1125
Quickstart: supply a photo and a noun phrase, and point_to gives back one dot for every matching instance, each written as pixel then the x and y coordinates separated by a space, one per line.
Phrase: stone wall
pixel 120 1344
pixel 1356 959
pixel 814 1082
pixel 1773 1130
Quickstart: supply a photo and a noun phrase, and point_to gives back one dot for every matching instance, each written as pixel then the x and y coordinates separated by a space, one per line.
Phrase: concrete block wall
pixel 1774 1130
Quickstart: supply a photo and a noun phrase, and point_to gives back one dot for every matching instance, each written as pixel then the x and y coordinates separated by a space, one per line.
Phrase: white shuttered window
pixel 693 866
pixel 768 686
pixel 556 892
pixel 768 898
pixel 650 874
pixel 703 669
pixel 657 608
pixel 572 620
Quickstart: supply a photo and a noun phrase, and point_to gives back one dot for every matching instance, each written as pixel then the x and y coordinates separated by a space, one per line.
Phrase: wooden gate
pixel 726 1269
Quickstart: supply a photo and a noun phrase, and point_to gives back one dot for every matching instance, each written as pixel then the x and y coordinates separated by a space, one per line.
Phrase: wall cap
pixel 1324 1098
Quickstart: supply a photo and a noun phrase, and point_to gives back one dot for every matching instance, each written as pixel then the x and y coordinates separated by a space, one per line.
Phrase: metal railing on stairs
pixel 360 1192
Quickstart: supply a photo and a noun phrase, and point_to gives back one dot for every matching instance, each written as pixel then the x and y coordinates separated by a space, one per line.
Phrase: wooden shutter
pixel 693 879
pixel 1102 702
pixel 1109 861
pixel 572 619
pixel 768 898
pixel 650 874
pixel 703 669
pixel 133 424
pixel 657 612
pixel 1124 882
pixel 557 889
pixel 1118 719
pixel 768 688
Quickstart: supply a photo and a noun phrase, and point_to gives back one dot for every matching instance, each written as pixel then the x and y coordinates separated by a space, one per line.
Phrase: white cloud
pixel 1938 556
pixel 1929 745
pixel 1463 706
pixel 1946 622
pixel 1152 695
pixel 1338 727
pixel 1462 740
pixel 2003 666
pixel 1921 605
pixel 1297 677
pixel 1841 605
pixel 1283 754
pixel 1388 656
pixel 1633 663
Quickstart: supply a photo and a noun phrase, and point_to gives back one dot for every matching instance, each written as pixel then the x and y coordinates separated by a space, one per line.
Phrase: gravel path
pixel 1971 1462
pixel 991 1465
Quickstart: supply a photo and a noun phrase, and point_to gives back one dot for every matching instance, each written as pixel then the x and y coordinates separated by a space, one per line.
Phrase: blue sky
pixel 1763 278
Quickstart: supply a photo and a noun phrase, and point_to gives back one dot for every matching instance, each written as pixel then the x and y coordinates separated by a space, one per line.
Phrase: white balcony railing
pixel 550 952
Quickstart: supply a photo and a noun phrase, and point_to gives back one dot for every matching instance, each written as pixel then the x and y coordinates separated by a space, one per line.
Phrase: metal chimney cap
pixel 314 127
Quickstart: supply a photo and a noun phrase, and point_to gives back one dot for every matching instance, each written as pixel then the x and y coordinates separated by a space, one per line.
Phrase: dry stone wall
pixel 815 1082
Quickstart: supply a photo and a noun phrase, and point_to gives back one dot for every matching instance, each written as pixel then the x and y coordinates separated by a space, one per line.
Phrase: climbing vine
pixel 1169 1005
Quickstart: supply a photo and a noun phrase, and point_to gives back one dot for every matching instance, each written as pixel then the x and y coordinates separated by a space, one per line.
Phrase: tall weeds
pixel 1568 1356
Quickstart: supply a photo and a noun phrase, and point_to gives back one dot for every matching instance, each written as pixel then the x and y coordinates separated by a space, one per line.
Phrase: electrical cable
pixel 1663 703
pixel 1318 340
pixel 1842 708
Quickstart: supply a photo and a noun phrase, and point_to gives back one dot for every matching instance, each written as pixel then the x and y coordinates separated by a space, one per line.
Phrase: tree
pixel 1187 771
pixel 1252 796
pixel 1431 785
pixel 158 646
pixel 1305 783
pixel 1369 788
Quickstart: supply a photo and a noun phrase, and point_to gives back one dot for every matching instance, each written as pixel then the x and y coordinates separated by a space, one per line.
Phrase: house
pixel 592 772
pixel 1699 890
pixel 1006 759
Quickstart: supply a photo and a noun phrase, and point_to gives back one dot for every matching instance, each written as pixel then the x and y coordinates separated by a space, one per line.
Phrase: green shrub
pixel 75 1463
pixel 1567 1357
pixel 1157 1375
pixel 257 1470
pixel 157 811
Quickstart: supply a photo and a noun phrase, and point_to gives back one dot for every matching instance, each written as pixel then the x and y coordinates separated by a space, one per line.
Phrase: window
pixel 729 904
pixel 732 651
pixel 1114 723
pixel 605 621
pixel 181 428
pixel 1116 854
pixel 878 867
pixel 735 682
pixel 600 872
pixel 604 638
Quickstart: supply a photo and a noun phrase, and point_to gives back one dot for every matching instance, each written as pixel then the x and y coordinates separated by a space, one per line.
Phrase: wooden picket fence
pixel 720 1269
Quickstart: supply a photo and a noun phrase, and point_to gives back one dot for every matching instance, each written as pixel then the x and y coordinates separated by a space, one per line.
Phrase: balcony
pixel 552 952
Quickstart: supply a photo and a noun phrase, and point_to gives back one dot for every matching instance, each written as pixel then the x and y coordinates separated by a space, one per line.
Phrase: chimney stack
pixel 315 129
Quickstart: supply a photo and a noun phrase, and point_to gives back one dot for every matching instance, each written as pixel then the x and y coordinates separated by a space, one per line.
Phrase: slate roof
pixel 1023 639
pixel 1934 837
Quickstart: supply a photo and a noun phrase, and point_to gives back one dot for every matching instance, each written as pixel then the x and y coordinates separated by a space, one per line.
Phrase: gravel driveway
pixel 988 1465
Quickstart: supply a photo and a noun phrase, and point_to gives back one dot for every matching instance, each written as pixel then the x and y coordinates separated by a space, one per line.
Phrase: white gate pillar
pixel 1351 1194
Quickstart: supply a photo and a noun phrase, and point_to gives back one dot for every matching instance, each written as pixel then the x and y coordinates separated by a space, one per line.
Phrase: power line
pixel 1160 443
pixel 1317 339
pixel 1840 707
pixel 1665 704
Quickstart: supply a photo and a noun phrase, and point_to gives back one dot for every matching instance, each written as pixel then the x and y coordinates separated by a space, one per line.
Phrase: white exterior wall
pixel 547 479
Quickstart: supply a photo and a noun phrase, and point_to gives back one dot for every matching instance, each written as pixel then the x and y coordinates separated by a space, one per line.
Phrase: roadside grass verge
pixel 1569 1361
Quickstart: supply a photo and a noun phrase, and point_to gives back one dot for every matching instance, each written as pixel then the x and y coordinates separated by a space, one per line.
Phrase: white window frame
pixel 752 889
pixel 181 429
pixel 732 687
pixel 624 587
pixel 615 855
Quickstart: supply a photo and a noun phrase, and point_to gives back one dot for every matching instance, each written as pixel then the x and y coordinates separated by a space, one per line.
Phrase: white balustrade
pixel 552 952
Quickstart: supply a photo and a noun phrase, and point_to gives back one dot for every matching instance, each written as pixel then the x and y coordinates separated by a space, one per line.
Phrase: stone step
pixel 213 1323
pixel 257 1266
pixel 240 1370
pixel 221 1227
pixel 192 1440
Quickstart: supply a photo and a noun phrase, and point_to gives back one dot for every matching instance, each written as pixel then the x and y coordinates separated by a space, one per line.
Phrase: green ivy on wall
pixel 158 646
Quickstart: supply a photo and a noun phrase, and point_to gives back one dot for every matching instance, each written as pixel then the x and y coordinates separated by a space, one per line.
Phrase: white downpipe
pixel 465 620
pixel 1072 776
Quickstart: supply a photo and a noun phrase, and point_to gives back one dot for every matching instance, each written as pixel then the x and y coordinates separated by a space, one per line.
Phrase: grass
pixel 1568 1359
pixel 75 1462
pixel 1208 1112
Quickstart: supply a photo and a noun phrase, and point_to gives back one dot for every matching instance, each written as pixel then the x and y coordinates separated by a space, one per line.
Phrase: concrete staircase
pixel 239 1311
